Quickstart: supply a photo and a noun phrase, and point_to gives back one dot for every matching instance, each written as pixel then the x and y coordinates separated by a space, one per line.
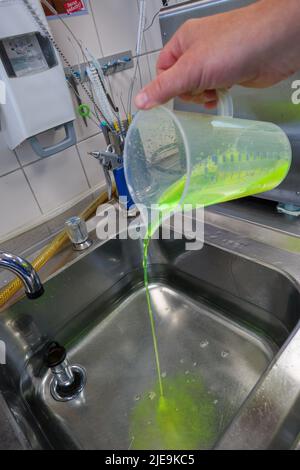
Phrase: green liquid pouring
pixel 150 311
pixel 179 413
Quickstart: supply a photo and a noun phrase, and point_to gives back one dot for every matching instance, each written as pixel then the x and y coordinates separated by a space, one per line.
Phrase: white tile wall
pixel 153 35
pixel 50 183
pixel 8 159
pixel 116 22
pixel 57 180
pixel 17 203
pixel 92 167
pixel 83 27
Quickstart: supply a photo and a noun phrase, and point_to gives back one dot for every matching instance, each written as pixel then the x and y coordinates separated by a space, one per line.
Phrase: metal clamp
pixel 109 161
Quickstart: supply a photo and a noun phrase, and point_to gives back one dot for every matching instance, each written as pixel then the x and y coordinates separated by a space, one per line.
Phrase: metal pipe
pixel 25 272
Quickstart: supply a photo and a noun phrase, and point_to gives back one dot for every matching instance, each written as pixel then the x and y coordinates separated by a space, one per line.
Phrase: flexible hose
pixel 50 250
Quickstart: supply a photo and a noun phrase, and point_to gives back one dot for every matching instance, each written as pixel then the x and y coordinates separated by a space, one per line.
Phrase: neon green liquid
pixel 179 413
pixel 219 182
pixel 150 312
pixel 185 418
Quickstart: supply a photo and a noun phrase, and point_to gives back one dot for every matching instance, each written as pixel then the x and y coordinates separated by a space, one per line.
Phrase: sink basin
pixel 222 318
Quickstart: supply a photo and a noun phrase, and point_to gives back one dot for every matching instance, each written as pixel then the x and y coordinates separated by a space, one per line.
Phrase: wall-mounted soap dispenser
pixel 37 94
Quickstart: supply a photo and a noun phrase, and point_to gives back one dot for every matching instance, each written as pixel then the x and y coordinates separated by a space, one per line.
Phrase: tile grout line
pixel 10 172
pixel 30 187
pixel 83 168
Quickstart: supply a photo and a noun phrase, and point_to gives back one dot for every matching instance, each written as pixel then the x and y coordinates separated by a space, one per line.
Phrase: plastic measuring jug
pixel 173 158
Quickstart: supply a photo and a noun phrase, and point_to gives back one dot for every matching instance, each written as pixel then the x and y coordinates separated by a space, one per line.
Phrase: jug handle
pixel 225 103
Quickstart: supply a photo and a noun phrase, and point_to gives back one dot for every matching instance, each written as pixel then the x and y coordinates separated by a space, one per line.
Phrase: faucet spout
pixel 26 273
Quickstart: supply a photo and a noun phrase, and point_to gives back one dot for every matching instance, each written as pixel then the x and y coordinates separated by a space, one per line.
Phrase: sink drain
pixel 69 392
pixel 67 381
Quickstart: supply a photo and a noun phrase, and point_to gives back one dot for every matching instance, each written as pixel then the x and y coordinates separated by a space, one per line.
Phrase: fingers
pixel 169 54
pixel 168 83
pixel 167 58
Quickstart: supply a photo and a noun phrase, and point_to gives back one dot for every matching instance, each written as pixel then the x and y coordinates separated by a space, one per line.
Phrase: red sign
pixel 74 5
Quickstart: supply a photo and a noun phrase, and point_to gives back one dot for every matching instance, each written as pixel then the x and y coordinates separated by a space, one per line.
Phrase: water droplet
pixel 225 354
pixel 137 397
pixel 204 344
pixel 164 375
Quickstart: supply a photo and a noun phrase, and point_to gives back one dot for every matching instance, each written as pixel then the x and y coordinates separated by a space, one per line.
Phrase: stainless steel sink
pixel 228 313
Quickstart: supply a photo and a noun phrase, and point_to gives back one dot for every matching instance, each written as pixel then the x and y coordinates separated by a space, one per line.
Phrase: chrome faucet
pixel 26 273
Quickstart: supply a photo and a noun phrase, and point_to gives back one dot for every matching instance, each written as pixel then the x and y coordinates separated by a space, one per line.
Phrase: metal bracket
pixel 111 64
pixel 109 161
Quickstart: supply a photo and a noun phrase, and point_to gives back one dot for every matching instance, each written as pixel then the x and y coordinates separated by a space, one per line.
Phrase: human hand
pixel 255 46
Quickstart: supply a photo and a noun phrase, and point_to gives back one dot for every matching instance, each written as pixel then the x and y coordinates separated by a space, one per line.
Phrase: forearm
pixel 280 33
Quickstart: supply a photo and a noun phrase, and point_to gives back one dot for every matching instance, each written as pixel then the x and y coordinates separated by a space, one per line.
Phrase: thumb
pixel 168 84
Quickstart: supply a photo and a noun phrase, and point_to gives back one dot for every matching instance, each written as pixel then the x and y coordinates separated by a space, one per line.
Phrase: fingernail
pixel 141 100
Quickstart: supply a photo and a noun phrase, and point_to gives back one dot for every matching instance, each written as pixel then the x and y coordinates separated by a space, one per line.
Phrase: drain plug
pixel 67 381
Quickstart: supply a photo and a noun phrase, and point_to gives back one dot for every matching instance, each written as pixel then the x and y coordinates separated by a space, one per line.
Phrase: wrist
pixel 280 32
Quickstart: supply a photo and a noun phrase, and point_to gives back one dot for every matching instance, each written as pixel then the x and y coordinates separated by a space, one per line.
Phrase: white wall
pixel 31 188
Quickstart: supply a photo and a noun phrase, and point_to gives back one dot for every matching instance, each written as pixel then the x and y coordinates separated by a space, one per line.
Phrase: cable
pixel 142 22
pixel 140 35
pixel 152 21
pixel 79 43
